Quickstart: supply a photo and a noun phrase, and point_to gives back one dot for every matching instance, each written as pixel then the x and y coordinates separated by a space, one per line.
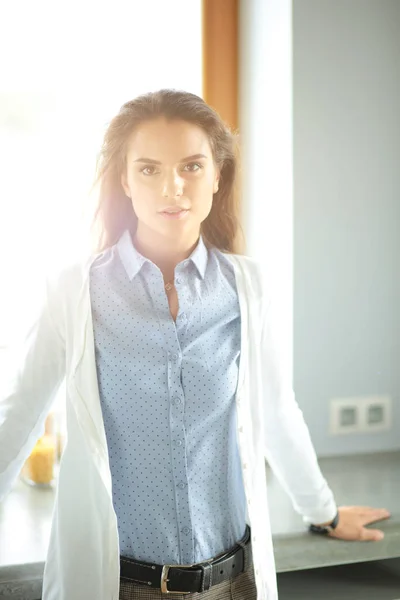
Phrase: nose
pixel 172 186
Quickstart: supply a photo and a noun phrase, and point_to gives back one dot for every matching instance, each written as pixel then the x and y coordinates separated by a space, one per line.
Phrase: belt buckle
pixel 164 578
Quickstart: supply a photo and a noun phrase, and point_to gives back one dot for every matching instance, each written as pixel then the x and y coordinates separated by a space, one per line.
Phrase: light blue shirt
pixel 167 394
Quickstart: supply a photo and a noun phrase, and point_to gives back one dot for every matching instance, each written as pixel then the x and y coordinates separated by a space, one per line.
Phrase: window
pixel 69 68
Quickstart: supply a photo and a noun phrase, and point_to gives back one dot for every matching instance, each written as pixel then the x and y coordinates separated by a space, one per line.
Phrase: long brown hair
pixel 114 212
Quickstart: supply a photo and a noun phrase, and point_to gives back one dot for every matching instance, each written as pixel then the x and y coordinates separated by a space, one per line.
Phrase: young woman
pixel 176 389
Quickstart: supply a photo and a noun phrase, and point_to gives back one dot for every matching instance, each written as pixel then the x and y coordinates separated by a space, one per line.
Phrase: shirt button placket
pixel 178 454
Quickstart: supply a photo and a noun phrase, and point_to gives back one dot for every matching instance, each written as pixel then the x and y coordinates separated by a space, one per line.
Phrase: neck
pixel 164 252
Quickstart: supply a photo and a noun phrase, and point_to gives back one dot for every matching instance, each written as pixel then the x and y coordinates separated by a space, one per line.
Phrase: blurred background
pixel 313 89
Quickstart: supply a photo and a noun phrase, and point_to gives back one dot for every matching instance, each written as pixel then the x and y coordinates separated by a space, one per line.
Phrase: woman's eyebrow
pixel 151 161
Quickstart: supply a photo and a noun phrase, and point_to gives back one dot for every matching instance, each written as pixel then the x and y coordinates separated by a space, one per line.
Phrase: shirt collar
pixel 133 261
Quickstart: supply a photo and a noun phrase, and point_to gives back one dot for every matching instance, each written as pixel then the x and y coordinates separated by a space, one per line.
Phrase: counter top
pixel 361 480
pixel 25 523
pixel 369 480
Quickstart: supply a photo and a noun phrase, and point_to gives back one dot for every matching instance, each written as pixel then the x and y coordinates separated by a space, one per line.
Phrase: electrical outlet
pixel 376 414
pixel 360 414
pixel 345 416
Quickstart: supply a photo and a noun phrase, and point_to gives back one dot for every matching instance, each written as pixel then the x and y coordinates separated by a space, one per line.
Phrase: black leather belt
pixel 187 579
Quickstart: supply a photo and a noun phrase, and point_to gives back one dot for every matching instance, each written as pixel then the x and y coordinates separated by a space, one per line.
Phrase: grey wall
pixel 346 82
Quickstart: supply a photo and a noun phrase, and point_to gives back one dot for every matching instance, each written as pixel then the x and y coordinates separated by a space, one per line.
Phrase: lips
pixel 173 209
pixel 180 214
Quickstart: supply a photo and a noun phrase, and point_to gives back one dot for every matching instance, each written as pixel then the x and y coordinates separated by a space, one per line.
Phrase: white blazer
pixel 83 556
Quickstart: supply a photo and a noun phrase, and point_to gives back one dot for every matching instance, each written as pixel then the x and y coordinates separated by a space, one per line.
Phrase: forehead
pixel 173 140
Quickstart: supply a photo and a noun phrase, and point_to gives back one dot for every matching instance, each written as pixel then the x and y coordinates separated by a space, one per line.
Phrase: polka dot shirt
pixel 167 392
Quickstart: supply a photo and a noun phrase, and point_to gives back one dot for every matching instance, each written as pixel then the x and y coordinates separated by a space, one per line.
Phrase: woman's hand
pixel 352 521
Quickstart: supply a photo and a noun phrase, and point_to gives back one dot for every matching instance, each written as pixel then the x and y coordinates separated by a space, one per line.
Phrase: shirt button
pixel 185 530
pixel 181 485
pixel 178 281
pixel 178 442
pixel 174 357
pixel 176 400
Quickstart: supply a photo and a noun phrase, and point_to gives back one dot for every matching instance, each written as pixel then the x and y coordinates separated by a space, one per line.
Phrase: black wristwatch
pixel 324 529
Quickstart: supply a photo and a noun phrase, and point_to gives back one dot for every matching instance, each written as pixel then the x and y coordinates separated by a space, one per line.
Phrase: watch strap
pixel 325 529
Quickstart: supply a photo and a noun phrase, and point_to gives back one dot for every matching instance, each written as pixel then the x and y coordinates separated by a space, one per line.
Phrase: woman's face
pixel 169 164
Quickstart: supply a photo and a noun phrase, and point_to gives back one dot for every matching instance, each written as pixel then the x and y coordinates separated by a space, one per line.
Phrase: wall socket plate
pixel 360 414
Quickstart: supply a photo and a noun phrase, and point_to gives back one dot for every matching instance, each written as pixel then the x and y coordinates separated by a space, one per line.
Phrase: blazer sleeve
pixel 288 446
pixel 29 387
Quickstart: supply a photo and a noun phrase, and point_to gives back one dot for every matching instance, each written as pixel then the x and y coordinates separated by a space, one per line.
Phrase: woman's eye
pixel 193 167
pixel 148 170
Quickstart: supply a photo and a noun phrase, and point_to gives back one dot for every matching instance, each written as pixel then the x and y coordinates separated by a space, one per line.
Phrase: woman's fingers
pixel 374 535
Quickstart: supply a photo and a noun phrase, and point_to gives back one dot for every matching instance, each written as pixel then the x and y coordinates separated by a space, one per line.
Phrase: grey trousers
pixel 241 587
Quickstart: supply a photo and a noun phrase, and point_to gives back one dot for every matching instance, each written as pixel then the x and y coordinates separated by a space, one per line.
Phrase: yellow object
pixel 39 467
pixel 49 426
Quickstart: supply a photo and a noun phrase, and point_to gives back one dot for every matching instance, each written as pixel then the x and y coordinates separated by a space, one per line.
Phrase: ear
pixel 124 183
